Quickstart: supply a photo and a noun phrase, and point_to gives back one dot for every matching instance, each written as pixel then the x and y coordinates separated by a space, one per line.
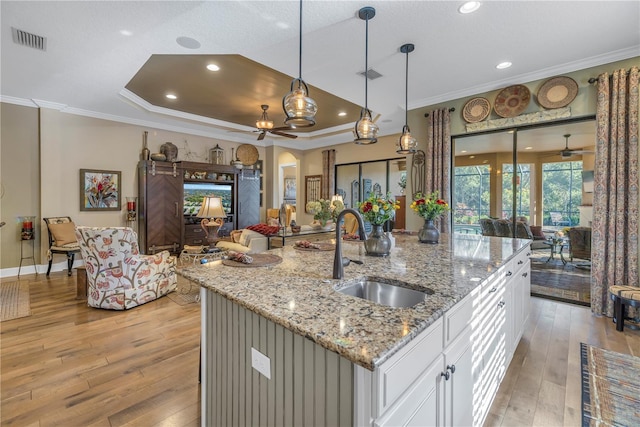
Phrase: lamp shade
pixel 211 208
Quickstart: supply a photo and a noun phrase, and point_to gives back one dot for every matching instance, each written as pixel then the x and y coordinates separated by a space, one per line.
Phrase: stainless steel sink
pixel 388 294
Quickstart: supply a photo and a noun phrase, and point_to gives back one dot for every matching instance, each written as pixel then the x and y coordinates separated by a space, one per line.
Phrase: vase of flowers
pixel 324 211
pixel 378 210
pixel 429 207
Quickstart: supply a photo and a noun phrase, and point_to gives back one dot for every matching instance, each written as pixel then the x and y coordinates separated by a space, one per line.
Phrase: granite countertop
pixel 299 292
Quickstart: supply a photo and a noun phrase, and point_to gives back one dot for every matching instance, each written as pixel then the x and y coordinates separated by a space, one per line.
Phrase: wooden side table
pixel 81 283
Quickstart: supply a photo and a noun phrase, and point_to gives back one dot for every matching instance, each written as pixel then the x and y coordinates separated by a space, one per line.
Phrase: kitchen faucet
pixel 338 262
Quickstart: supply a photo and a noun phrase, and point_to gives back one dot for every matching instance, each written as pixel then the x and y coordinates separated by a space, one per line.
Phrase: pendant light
pixel 298 107
pixel 406 144
pixel 366 130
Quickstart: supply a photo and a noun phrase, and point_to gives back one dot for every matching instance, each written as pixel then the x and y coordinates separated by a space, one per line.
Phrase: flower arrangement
pixel 378 210
pixel 324 210
pixel 429 206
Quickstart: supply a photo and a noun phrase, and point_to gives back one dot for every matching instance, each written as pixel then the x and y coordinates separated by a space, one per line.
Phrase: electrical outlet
pixel 261 363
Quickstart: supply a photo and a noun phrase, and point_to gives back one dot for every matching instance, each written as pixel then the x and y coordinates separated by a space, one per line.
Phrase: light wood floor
pixel 72 365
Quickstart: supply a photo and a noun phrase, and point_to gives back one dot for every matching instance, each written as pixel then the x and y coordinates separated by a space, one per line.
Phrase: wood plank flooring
pixel 71 365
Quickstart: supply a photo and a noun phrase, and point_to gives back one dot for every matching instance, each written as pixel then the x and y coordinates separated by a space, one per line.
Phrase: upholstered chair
pixel 502 228
pixel 62 240
pixel 118 276
pixel 486 224
pixel 580 243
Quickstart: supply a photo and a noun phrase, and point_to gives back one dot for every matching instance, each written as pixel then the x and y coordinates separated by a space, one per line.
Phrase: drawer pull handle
pixel 493 290
pixel 451 368
pixel 197 241
pixel 528 253
pixel 525 274
pixel 197 230
pixel 509 273
pixel 501 304
pixel 446 375
pixel 520 262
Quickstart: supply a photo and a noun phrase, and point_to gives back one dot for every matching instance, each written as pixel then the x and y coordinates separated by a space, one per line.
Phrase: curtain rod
pixel 451 110
pixel 593 80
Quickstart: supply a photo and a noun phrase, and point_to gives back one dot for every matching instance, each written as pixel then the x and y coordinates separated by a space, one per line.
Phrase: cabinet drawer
pixel 195 241
pixel 396 375
pixel 194 231
pixel 521 259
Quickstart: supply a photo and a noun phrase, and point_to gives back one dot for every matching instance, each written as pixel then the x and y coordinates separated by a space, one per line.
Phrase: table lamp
pixel 213 217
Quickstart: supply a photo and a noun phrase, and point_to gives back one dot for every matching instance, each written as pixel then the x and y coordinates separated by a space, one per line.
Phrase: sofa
pixel 246 241
pixel 118 276
pixel 504 228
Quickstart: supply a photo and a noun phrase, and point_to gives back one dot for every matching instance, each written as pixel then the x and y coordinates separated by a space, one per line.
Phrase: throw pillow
pixel 273 222
pixel 63 233
pixel 536 230
pixel 265 229
pixel 235 235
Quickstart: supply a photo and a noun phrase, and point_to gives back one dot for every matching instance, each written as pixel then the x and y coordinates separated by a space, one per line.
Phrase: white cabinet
pixel 422 404
pixel 460 379
pixel 450 373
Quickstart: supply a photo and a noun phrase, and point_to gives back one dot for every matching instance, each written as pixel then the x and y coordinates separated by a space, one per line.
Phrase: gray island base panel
pixel 335 359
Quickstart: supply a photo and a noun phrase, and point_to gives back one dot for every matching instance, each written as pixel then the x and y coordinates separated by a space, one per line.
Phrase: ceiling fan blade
pixel 261 136
pixel 283 128
pixel 286 135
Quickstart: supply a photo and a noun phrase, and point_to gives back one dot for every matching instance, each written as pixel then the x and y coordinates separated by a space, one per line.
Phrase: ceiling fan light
pixel 264 124
pixel 406 144
pixel 298 107
pixel 366 130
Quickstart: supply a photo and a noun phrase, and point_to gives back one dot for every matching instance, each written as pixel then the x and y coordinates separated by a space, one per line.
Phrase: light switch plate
pixel 261 363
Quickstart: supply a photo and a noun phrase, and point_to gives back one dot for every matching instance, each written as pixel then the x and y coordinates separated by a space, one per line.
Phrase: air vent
pixel 372 74
pixel 28 39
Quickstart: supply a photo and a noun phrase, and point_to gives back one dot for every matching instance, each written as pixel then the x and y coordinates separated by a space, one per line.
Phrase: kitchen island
pixel 335 359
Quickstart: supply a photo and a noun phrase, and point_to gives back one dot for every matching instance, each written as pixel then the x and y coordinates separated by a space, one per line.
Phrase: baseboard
pixel 39 268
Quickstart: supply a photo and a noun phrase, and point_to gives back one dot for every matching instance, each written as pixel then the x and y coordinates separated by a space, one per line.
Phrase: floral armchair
pixel 118 276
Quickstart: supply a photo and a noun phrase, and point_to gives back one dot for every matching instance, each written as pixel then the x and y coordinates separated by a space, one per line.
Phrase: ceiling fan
pixel 567 152
pixel 265 125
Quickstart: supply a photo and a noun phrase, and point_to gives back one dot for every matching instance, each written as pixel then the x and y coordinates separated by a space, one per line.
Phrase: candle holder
pixel 27 227
pixel 131 208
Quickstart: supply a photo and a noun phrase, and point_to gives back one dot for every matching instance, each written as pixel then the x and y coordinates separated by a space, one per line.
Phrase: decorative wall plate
pixel 247 154
pixel 557 92
pixel 476 110
pixel 512 101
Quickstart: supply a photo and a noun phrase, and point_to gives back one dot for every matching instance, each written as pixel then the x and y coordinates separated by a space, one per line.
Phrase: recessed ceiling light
pixel 463 151
pixel 126 33
pixel 468 7
pixel 171 96
pixel 213 67
pixel 342 114
pixel 503 65
pixel 472 157
pixel 528 148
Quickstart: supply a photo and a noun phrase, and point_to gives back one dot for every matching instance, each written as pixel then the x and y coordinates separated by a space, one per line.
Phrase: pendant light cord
pixel 300 47
pixel 406 92
pixel 366 63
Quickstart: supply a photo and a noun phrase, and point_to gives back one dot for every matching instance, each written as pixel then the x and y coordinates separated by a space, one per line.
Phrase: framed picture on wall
pixel 100 190
pixel 289 188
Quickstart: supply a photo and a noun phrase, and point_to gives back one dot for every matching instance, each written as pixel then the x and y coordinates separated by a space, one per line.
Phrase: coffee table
pixel 284 235
pixel 556 247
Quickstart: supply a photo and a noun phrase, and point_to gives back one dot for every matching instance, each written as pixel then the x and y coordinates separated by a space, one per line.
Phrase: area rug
pixel 14 300
pixel 552 279
pixel 187 292
pixel 610 387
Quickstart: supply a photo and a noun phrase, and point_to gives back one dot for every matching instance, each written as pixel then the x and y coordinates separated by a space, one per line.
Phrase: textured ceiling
pixel 89 62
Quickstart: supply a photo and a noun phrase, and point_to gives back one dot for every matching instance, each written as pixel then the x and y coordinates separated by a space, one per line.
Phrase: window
pixel 561 193
pixel 472 194
pixel 523 195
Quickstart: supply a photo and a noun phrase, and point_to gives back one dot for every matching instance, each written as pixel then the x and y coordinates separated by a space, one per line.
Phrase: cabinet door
pixel 422 405
pixel 248 198
pixel 163 216
pixel 459 404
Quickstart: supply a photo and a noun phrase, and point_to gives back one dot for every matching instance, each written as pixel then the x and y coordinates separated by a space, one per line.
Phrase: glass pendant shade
pixel 406 144
pixel 366 130
pixel 298 107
